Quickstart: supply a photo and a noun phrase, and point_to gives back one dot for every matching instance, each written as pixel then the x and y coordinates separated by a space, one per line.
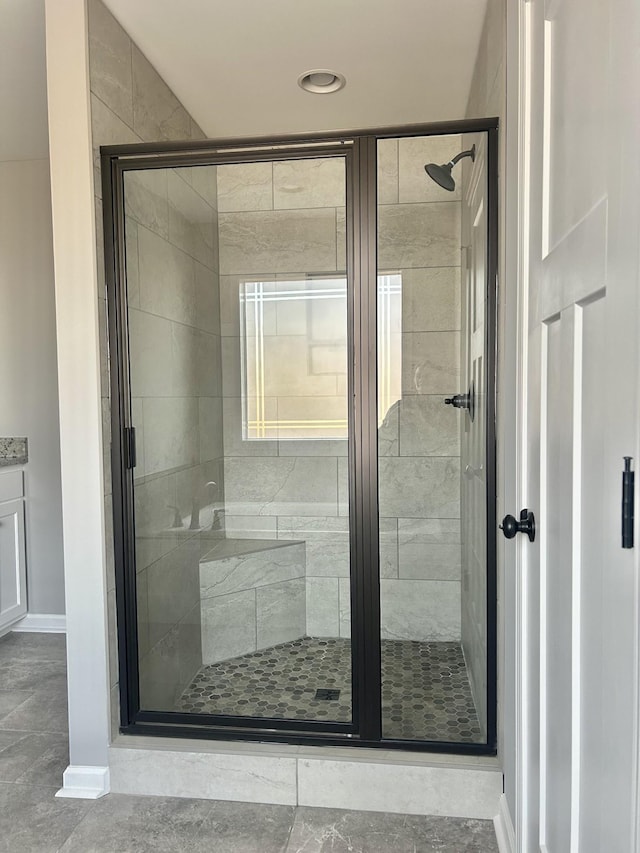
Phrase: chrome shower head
pixel 442 174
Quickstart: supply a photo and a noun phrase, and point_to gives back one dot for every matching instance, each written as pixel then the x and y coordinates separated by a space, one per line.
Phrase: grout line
pixel 95 143
pixel 91 805
pixel 255 612
pixel 133 99
pixel 285 848
pixel 273 191
pixel 30 160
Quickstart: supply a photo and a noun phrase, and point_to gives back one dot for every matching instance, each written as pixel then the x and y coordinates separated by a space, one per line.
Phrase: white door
pixel 580 228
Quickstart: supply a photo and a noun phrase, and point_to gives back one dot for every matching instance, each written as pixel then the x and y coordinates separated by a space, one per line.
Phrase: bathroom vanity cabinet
pixel 13 567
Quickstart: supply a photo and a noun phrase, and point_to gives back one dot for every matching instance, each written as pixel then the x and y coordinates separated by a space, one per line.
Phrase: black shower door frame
pixel 359 150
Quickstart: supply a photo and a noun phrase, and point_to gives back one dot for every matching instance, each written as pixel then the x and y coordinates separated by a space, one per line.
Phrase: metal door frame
pixel 359 149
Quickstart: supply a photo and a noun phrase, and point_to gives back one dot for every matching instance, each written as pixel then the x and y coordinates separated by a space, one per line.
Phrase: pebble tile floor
pixel 34 753
pixel 425 687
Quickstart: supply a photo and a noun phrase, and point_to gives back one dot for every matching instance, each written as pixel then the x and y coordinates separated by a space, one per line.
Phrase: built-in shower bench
pixel 252 595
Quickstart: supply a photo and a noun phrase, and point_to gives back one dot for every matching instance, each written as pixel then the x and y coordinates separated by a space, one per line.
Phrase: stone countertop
pixel 13 451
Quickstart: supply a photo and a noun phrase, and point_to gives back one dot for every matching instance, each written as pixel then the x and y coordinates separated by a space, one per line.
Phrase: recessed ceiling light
pixel 321 81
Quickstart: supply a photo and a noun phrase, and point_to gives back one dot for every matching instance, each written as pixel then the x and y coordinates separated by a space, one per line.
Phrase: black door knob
pixel 527 524
pixel 463 401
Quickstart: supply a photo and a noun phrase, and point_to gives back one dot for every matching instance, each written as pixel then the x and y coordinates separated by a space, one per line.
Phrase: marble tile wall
pixel 285 220
pixel 172 274
pixel 252 596
pixel 419 444
pixel 280 220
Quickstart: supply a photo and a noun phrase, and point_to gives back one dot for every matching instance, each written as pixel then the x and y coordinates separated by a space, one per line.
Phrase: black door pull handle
pixel 628 478
pixel 527 524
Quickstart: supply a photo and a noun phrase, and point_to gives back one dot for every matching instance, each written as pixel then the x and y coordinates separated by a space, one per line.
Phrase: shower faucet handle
pixel 464 401
pixel 458 401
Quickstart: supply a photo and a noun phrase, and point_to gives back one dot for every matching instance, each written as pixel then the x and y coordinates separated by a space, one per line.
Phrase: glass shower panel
pixel 237 319
pixel 430 654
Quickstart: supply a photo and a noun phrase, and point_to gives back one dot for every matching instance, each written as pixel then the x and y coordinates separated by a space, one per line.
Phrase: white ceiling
pixel 235 65
pixel 23 81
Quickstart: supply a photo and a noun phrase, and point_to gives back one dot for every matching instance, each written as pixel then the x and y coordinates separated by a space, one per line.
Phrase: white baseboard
pixel 84 783
pixel 46 623
pixel 504 828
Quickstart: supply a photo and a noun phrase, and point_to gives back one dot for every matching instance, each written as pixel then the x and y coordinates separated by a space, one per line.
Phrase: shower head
pixel 442 174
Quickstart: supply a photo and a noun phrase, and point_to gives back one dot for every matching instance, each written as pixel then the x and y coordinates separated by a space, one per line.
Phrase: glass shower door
pixel 302 348
pixel 433 661
pixel 237 322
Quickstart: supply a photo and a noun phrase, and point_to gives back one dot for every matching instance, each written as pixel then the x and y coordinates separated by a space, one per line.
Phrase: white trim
pixel 45 623
pixel 520 775
pixel 84 783
pixel 503 825
pixel 79 370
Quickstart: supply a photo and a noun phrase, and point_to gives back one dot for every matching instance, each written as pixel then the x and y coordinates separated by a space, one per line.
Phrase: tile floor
pixel 34 753
pixel 425 687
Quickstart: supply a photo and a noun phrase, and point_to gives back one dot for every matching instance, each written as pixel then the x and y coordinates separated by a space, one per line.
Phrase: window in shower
pixel 294 358
pixel 293 351
pixel 304 532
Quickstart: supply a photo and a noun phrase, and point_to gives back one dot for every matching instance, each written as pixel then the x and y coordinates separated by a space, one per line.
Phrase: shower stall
pixel 302 345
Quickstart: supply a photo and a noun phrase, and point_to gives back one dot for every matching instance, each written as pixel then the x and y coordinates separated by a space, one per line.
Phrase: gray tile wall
pixel 419 445
pixel 276 221
pixel 172 273
pixel 252 597
pixel 285 219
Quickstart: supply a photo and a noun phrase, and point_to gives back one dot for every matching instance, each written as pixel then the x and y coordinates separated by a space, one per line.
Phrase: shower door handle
pixel 130 453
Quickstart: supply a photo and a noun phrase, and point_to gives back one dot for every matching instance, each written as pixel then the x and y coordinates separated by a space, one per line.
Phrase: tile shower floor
pixel 425 687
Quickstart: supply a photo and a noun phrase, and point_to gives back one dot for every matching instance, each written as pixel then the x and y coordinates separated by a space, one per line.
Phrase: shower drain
pixel 327 694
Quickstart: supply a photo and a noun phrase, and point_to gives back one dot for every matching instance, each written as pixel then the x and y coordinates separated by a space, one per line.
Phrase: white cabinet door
pixel 579 336
pixel 13 571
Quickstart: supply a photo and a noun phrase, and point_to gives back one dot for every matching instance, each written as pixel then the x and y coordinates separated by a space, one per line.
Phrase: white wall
pixel 28 368
pixel 23 81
